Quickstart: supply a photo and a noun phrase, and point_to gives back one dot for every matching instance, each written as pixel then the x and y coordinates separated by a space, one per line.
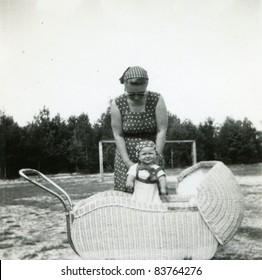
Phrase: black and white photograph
pixel 130 130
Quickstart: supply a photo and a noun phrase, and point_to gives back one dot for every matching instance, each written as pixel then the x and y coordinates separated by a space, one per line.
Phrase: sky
pixel 203 56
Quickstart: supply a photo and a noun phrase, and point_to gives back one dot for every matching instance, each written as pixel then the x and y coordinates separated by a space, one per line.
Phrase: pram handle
pixel 68 209
pixel 27 171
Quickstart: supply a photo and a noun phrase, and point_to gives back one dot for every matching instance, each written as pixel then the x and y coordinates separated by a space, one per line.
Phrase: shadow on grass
pixel 251 232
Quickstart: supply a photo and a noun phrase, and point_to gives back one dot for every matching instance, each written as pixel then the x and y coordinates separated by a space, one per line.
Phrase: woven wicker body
pixel 110 225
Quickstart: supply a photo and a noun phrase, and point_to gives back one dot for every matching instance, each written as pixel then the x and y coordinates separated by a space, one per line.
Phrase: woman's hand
pixel 160 160
pixel 129 164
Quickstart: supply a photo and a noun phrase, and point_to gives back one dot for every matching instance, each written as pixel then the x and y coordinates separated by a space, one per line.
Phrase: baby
pixel 147 178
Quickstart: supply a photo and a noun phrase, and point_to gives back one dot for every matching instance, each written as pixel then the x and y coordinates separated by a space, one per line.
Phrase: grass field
pixel 32 222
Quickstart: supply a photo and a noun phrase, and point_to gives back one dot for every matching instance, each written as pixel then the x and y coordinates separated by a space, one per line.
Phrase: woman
pixel 136 115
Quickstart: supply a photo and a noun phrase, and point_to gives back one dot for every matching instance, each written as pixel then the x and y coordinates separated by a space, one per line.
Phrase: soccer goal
pixel 190 142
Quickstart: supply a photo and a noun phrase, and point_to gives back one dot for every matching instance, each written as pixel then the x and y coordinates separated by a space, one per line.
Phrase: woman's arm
pixel 162 121
pixel 116 123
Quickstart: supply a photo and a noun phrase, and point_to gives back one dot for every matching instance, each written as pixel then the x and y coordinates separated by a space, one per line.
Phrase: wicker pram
pixel 207 211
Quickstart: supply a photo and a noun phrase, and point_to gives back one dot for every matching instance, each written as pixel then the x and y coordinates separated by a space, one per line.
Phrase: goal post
pixel 101 157
pixel 193 149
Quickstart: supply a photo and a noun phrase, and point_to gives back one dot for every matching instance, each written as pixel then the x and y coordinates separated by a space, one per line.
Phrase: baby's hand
pixel 129 184
pixel 164 191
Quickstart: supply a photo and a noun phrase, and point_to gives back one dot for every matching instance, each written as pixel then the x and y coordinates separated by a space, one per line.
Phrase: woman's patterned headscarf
pixel 144 144
pixel 133 72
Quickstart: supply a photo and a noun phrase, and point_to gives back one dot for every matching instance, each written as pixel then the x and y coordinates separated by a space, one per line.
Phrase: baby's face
pixel 147 155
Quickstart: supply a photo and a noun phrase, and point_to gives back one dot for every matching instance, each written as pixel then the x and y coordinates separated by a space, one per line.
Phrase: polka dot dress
pixel 137 126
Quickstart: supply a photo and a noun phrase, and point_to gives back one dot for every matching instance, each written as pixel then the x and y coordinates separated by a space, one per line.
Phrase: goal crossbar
pixel 101 159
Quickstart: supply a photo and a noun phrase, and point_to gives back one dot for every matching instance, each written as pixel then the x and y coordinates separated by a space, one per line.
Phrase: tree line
pixel 54 145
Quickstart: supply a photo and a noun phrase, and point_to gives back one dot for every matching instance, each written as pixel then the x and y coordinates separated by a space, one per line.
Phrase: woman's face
pixel 135 92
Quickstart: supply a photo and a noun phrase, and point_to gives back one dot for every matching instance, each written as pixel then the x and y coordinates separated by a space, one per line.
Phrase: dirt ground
pixel 32 222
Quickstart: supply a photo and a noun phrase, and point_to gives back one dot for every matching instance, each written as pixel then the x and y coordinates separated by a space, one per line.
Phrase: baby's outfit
pixel 146 183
